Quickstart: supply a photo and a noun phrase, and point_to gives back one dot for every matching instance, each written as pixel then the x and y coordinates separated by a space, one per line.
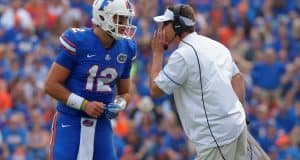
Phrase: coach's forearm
pixel 155 69
pixel 238 85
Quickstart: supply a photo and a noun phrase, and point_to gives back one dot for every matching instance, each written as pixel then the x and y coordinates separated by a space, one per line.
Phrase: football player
pixel 90 80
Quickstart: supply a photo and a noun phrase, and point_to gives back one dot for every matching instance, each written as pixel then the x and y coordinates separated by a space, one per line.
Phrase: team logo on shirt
pixel 88 123
pixel 122 58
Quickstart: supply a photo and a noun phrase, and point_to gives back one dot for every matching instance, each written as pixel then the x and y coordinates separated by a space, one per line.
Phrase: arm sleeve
pixel 67 53
pixel 235 70
pixel 65 59
pixel 173 75
pixel 132 51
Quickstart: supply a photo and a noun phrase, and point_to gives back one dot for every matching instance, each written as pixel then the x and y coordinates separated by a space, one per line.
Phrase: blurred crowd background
pixel 264 39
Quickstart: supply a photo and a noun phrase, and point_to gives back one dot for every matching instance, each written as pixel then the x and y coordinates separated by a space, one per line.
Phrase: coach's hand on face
pixel 158 41
pixel 94 109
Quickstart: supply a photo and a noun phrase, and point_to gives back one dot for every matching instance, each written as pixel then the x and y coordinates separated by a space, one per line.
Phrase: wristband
pixel 75 101
pixel 83 106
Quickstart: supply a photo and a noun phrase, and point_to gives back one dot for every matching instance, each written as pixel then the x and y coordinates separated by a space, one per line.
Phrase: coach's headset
pixel 178 24
pixel 179 27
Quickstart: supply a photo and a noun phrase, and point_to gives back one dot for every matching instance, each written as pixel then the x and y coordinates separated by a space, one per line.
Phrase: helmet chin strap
pixel 110 34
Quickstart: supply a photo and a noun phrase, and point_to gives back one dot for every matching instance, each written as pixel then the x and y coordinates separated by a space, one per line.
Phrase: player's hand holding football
pixel 158 41
pixel 94 109
pixel 112 109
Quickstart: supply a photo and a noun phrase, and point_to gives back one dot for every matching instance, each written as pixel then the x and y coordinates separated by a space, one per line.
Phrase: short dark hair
pixel 188 12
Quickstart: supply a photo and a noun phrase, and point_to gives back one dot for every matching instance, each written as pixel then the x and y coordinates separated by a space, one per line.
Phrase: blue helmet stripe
pixel 104 3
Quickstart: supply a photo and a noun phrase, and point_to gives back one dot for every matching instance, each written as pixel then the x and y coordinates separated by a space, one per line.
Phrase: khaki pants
pixel 235 150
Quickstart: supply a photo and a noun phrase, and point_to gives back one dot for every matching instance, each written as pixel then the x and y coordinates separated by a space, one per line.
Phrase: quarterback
pixel 90 81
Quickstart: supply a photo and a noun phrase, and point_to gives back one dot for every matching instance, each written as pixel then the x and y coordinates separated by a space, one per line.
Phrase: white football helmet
pixel 104 12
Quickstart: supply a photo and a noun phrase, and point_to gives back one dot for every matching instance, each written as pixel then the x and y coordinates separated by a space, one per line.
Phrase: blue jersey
pixel 94 69
pixel 94 72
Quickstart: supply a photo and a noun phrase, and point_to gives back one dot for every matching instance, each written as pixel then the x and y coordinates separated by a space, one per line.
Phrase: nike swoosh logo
pixel 65 125
pixel 91 55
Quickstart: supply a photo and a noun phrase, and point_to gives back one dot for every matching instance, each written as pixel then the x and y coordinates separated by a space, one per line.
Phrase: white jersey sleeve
pixel 173 75
pixel 235 69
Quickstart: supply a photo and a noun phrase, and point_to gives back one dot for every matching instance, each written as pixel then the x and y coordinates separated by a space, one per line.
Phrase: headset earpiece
pixel 178 24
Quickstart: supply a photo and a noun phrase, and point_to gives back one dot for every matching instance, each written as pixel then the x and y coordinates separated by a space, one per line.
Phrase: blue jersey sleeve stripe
pixel 68 41
pixel 134 57
pixel 71 52
pixel 171 78
pixel 67 44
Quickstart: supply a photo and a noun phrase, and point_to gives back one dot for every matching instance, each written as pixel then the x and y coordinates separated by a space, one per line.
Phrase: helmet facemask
pixel 122 26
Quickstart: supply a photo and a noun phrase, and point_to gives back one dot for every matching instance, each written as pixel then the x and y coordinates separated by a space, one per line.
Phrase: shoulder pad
pixel 69 40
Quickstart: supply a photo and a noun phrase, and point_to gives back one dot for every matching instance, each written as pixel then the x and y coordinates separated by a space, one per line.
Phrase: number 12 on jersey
pixel 102 80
